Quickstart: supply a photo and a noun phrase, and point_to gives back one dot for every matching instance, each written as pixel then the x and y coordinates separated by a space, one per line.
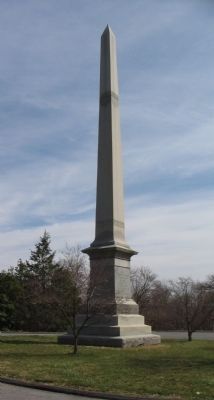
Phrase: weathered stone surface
pixel 114 325
pixel 113 320
pixel 111 282
pixel 119 341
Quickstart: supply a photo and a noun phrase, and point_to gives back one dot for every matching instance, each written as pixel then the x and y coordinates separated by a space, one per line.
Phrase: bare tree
pixel 209 284
pixel 159 311
pixel 73 292
pixel 180 304
pixel 142 281
pixel 191 303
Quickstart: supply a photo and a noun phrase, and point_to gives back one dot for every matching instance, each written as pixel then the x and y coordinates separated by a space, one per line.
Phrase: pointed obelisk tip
pixel 107 30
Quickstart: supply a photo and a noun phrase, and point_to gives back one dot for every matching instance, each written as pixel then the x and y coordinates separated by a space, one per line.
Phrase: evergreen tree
pixel 41 265
pixel 9 293
pixel 33 309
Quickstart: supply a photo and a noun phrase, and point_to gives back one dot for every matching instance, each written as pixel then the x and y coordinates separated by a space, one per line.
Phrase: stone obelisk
pixel 109 253
pixel 117 322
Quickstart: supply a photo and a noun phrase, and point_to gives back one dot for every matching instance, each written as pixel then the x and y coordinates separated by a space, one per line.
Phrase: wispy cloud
pixel 173 239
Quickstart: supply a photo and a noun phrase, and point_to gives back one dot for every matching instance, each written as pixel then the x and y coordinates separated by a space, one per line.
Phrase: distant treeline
pixel 39 294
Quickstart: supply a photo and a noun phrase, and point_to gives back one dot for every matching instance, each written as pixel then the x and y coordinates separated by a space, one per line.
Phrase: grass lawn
pixel 185 369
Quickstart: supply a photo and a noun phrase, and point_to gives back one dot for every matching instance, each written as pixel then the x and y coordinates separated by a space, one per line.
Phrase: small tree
pixel 191 303
pixel 72 291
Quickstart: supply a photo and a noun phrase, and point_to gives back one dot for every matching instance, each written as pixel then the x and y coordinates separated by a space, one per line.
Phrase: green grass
pixel 184 369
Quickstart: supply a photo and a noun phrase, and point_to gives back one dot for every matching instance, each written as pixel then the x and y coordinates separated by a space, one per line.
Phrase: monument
pixel 118 323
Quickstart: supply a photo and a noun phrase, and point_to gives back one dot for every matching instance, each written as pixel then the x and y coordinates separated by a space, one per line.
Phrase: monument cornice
pixel 110 251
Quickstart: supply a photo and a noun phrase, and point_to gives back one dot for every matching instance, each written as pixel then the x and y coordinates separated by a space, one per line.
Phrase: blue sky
pixel 49 83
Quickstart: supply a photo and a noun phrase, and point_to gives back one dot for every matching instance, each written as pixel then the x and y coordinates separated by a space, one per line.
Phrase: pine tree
pixel 42 264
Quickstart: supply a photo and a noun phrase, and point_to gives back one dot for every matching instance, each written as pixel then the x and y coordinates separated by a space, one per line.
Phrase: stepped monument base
pixel 122 330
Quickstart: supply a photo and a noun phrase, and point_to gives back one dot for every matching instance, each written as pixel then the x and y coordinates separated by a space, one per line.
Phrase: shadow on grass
pixel 207 349
pixel 169 363
pixel 24 355
pixel 28 341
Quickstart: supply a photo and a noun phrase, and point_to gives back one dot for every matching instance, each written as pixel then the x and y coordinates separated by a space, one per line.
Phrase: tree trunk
pixel 75 345
pixel 189 336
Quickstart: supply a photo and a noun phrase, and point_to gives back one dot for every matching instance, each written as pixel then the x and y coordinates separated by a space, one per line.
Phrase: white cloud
pixel 47 190
pixel 173 239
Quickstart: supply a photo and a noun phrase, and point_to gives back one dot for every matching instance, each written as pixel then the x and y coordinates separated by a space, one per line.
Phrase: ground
pixel 171 368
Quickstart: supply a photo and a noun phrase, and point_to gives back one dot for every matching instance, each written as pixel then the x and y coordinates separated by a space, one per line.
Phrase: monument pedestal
pixel 121 330
pixel 115 321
